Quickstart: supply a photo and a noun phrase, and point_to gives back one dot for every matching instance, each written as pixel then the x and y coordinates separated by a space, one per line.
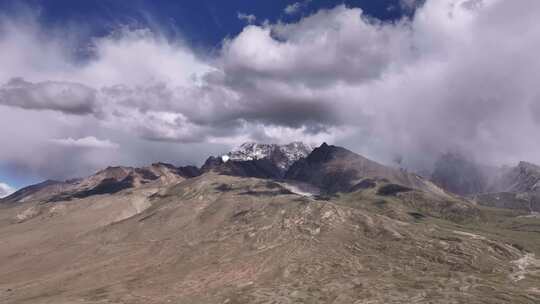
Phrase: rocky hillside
pixel 335 169
pixel 107 181
pixel 162 234
pixel 329 168
pixel 261 168
pixel 225 239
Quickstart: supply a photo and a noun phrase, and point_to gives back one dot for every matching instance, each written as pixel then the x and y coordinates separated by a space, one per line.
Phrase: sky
pixel 88 84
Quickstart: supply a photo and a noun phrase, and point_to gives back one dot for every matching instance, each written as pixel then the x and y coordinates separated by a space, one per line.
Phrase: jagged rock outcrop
pixel 258 160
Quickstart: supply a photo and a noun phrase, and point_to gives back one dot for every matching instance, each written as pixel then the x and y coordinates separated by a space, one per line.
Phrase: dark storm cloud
pixel 67 97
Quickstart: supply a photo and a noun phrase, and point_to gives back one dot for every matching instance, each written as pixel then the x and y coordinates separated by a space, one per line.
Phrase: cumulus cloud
pixel 86 142
pixel 247 18
pixel 329 47
pixel 5 190
pixel 457 75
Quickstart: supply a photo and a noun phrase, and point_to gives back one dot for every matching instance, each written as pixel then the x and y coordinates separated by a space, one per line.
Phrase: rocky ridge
pixel 107 181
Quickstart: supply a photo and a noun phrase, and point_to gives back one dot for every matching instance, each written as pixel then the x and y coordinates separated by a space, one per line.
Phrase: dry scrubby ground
pixel 222 239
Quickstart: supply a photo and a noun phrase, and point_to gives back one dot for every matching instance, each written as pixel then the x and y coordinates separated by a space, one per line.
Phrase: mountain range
pixel 513 187
pixel 269 223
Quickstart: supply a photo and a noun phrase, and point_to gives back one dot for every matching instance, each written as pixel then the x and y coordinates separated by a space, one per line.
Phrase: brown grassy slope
pixel 222 239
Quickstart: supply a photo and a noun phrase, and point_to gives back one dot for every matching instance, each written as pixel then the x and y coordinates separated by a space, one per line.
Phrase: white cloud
pixel 292 8
pixel 247 18
pixel 86 142
pixel 296 7
pixel 5 190
pixel 141 57
pixel 327 47
pixel 458 74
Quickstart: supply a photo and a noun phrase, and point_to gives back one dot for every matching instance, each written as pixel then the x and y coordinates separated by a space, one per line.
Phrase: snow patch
pixel 528 264
pixel 471 235
pixel 533 214
pixel 302 189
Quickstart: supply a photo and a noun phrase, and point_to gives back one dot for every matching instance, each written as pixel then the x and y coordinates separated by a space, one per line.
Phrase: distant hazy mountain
pixel 514 188
pixel 506 187
pixel 525 177
pixel 459 175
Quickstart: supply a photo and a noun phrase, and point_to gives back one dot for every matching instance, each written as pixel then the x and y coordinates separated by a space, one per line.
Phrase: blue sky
pixel 203 23
pixel 88 84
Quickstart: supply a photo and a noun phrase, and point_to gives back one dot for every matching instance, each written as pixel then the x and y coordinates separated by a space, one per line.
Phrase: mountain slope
pixel 107 181
pixel 335 169
pixel 40 191
pixel 225 239
pixel 261 168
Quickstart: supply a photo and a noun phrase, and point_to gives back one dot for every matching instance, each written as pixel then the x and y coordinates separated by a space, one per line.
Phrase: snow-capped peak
pixel 283 156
